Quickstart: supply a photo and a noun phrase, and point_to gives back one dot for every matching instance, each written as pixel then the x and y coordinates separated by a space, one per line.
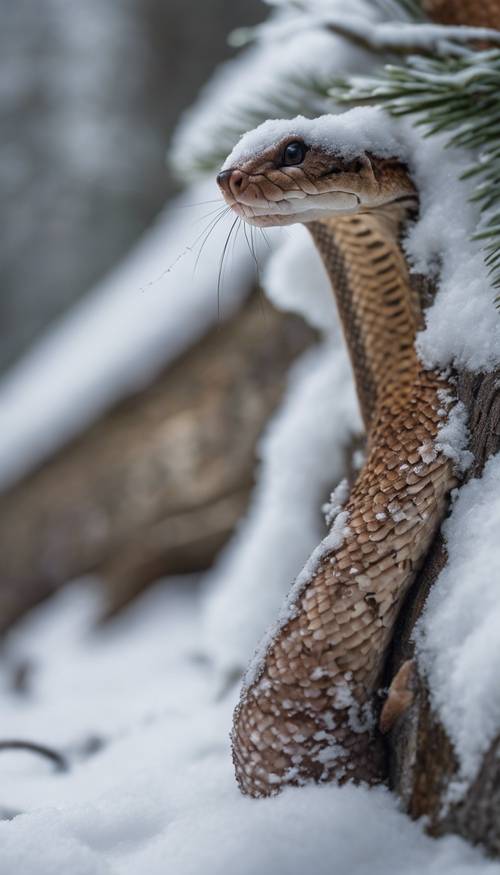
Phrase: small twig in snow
pixel 60 762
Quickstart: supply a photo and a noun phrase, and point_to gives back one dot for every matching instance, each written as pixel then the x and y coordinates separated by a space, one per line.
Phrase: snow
pixel 339 529
pixel 289 42
pixel 452 438
pixel 401 35
pixel 363 129
pixel 160 793
pixel 462 325
pixel 458 640
pixel 435 244
pixel 335 503
pixel 295 280
pixel 302 456
pixel 139 318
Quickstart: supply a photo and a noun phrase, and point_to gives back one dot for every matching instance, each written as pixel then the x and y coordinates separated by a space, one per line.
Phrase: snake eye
pixel 294 153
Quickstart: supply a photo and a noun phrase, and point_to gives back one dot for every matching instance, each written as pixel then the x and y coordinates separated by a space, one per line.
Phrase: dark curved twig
pixel 58 759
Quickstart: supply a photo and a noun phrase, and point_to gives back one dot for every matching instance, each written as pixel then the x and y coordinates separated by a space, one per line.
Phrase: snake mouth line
pixel 292 208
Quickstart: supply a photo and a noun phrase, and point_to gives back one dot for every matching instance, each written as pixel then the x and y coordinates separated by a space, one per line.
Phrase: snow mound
pixel 363 129
pixel 160 796
pixel 295 280
pixel 303 455
pixel 458 640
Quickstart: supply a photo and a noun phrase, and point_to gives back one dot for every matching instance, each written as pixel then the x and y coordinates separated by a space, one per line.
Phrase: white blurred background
pixel 89 95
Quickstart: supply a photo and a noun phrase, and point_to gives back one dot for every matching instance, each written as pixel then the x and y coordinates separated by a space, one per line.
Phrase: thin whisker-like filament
pixel 211 227
pixel 217 200
pixel 266 238
pixel 235 237
pixel 210 213
pixel 221 265
pixel 211 224
pixel 251 248
pixel 257 265
pixel 247 240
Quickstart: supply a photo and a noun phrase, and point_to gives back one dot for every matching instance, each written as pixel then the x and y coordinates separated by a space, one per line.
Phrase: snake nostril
pixel 232 182
pixel 236 180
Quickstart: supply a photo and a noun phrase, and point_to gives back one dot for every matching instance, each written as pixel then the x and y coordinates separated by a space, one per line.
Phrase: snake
pixel 309 703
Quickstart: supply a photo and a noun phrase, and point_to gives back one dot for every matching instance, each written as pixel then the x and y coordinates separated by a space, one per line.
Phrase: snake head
pixel 304 170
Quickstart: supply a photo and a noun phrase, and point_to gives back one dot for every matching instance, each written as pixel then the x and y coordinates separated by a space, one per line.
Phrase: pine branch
pixel 301 94
pixel 401 38
pixel 306 95
pixel 445 84
pixel 457 95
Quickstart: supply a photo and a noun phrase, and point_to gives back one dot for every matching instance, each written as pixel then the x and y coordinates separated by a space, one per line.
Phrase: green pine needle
pixel 307 95
pixel 460 96
pixel 456 93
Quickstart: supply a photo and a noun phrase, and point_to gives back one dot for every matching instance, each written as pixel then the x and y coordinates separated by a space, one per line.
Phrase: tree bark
pixel 158 484
pixel 421 756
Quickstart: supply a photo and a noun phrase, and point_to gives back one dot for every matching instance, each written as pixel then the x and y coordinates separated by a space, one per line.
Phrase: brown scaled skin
pixel 309 710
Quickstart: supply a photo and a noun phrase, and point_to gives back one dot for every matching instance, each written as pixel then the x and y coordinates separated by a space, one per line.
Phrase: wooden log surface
pixel 421 757
pixel 422 760
pixel 157 485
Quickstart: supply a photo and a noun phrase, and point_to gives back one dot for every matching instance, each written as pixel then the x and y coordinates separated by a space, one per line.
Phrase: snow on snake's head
pixel 304 170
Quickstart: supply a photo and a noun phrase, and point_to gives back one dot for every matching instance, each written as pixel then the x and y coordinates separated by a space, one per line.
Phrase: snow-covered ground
pixel 159 795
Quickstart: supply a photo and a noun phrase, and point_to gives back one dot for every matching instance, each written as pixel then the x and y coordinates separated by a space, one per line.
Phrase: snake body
pixel 308 710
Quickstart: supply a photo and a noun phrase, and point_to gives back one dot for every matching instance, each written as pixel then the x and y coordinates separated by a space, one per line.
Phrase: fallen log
pixel 157 485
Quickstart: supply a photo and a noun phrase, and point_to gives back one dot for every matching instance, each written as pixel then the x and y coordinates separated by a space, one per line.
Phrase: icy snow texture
pixel 363 129
pixel 134 322
pixel 160 795
pixel 295 279
pixel 458 636
pixel 462 326
pixel 302 456
pixel 336 501
pixel 453 436
pixel 399 35
pixel 289 42
pixel 332 541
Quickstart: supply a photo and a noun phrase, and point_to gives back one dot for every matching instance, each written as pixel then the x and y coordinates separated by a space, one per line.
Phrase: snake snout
pixel 232 182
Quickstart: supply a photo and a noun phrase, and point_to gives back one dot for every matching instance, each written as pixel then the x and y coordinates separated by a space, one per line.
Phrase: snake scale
pixel 308 708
